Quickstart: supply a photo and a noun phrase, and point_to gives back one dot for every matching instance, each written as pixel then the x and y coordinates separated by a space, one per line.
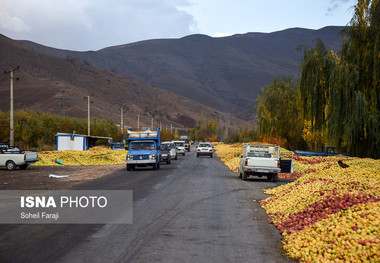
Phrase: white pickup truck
pixel 264 160
pixel 13 157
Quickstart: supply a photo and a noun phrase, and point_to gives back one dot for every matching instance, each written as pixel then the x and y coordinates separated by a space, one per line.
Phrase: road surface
pixel 193 210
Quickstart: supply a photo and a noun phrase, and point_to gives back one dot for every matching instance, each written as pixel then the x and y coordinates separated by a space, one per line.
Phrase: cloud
pixel 334 5
pixel 94 24
pixel 12 23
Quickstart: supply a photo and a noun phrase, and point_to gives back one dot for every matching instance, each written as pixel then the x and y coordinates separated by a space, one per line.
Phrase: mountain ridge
pixel 225 73
pixel 61 86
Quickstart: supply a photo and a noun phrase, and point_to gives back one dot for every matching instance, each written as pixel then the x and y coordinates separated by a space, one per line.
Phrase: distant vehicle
pixel 185 139
pixel 326 151
pixel 205 149
pixel 117 146
pixel 180 146
pixel 173 150
pixel 264 160
pixel 144 149
pixel 13 157
pixel 165 154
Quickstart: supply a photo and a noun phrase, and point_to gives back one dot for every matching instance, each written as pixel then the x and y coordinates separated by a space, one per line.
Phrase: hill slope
pixel 225 73
pixel 61 86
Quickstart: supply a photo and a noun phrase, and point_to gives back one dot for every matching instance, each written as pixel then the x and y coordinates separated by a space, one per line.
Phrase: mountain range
pixel 61 86
pixel 172 81
pixel 224 73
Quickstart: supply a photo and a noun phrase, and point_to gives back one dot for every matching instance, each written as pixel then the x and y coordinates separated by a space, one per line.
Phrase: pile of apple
pixel 228 154
pixel 95 156
pixel 331 213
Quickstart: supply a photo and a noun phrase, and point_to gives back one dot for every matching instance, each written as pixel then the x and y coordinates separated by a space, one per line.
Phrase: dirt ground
pixel 37 177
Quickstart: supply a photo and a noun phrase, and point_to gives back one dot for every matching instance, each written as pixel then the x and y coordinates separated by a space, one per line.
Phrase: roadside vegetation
pixel 337 98
pixel 37 130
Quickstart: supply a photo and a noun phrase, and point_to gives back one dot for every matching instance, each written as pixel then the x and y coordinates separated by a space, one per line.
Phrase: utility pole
pixel 121 121
pixel 88 117
pixel 138 122
pixel 11 130
pixel 152 124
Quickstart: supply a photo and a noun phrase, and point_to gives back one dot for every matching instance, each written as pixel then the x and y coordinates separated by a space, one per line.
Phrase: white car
pixel 180 145
pixel 173 150
pixel 205 149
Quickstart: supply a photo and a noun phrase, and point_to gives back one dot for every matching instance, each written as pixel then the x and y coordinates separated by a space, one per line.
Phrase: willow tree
pixel 278 113
pixel 340 94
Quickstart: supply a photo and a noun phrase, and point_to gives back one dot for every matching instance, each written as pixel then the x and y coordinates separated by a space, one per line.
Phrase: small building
pixel 73 141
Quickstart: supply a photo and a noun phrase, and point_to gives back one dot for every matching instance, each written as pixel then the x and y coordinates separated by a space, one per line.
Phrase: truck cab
pixel 143 149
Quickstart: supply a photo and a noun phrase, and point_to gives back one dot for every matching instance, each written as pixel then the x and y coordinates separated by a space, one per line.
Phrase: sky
pixel 83 25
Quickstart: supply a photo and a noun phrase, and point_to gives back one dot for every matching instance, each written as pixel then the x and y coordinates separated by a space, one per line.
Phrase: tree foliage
pixel 278 113
pixel 36 129
pixel 207 130
pixel 340 93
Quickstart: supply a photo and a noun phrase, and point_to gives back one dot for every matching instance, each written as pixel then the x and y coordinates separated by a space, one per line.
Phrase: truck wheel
pixel 183 153
pixel 158 166
pixel 211 155
pixel 23 167
pixel 176 157
pixel 245 176
pixel 240 176
pixel 275 177
pixel 168 161
pixel 10 165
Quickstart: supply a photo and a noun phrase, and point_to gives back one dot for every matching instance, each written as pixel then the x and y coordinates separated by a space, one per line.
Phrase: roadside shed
pixel 73 141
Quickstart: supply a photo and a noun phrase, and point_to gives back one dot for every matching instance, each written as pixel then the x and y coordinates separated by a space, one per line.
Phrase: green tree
pixel 277 111
pixel 340 94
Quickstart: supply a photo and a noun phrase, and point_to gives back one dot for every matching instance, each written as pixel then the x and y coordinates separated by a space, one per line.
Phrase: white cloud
pixel 12 23
pixel 93 24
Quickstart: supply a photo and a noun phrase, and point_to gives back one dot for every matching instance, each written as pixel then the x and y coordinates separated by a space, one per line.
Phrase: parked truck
pixel 143 149
pixel 13 157
pixel 326 151
pixel 264 160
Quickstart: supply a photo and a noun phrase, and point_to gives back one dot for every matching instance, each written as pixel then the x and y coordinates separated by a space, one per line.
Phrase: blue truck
pixel 326 151
pixel 143 149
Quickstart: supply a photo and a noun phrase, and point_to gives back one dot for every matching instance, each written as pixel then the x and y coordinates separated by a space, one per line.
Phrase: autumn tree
pixel 340 92
pixel 277 112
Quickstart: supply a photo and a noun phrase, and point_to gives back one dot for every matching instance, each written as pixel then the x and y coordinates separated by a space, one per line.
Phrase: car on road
pixel 13 157
pixel 165 154
pixel 180 146
pixel 205 149
pixel 173 150
pixel 186 141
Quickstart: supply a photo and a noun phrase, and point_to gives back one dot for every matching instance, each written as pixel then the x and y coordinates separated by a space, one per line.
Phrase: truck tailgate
pixel 31 157
pixel 263 162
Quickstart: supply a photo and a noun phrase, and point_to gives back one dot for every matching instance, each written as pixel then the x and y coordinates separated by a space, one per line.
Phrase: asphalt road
pixel 193 210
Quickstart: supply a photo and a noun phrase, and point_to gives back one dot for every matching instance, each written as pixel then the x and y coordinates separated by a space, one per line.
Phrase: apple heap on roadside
pixel 95 156
pixel 330 215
